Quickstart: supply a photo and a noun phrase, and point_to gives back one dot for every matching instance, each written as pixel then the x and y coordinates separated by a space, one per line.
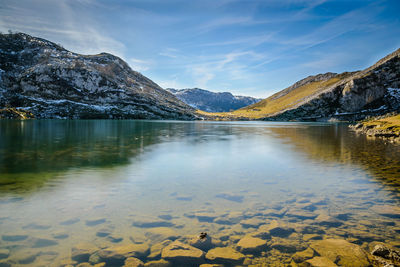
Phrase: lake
pixel 71 188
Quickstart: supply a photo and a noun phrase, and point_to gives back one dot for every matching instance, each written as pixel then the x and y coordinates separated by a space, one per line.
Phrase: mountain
pixel 210 101
pixel 347 96
pixel 51 82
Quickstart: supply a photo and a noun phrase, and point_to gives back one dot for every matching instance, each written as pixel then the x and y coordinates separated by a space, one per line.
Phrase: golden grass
pixel 276 103
pixel 391 123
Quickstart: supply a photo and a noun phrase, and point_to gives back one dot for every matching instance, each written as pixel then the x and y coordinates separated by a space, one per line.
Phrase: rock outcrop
pixel 373 91
pixel 51 82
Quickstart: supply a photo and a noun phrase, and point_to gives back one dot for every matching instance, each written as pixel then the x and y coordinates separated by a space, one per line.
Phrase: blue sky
pixel 247 47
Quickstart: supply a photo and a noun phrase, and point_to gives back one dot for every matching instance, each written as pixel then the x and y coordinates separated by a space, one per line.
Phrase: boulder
pixel 133 262
pixel 275 228
pixel 380 250
pixel 303 255
pixel 116 255
pixel 287 245
pixel 155 250
pixel 320 262
pixel 341 252
pixel 159 263
pixel 225 255
pixel 181 253
pixel 252 245
pixel 82 251
pixel 203 241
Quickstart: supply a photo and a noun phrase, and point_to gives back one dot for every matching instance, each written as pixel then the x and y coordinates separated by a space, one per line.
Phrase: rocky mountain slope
pixel 51 82
pixel 210 101
pixel 347 96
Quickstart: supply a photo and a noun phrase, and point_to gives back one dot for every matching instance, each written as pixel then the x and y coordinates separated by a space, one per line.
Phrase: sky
pixel 247 47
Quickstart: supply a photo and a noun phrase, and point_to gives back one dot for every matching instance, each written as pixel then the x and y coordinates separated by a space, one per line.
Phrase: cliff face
pixel 210 101
pixel 51 82
pixel 373 91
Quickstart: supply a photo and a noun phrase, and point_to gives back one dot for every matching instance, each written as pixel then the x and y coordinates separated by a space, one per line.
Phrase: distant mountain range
pixel 211 101
pixel 51 82
pixel 346 96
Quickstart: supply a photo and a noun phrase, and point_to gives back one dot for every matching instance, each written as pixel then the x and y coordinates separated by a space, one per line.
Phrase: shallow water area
pixel 103 191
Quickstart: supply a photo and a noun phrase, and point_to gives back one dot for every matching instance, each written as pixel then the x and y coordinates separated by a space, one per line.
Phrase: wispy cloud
pixel 59 22
pixel 139 65
pixel 169 52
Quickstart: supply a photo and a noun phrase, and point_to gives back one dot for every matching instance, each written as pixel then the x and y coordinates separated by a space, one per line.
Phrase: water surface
pixel 75 179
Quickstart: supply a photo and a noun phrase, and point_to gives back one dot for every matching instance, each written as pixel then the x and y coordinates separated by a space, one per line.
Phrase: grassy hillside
pixel 285 99
pixel 391 124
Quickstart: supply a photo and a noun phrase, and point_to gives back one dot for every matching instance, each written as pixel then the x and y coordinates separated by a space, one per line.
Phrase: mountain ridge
pixel 52 82
pixel 209 101
pixel 348 95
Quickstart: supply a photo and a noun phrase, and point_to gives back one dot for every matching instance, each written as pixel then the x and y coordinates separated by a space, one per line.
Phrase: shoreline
pixel 387 126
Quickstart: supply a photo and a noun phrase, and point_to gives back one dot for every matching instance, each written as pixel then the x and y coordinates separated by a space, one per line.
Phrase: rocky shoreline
pixel 387 127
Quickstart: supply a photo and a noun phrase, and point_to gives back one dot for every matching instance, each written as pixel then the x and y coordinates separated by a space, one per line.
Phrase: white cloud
pixel 60 21
pixel 139 65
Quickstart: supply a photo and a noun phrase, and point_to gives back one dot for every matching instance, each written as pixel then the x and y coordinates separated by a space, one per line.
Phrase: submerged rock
pixel 202 241
pixel 151 222
pixel 275 228
pixel 70 221
pixel 341 252
pixel 327 220
pixel 320 262
pixel 182 253
pixel 60 235
pixel 225 255
pixel 158 234
pixel 159 263
pixel 133 262
pixel 82 251
pixel 42 242
pixel 118 254
pixel 155 250
pixel 205 216
pixel 4 253
pixel 303 255
pixel 14 237
pixel 387 210
pixel 37 226
pixel 253 222
pixel 380 250
pixel 252 245
pixel 96 221
pixel 231 197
